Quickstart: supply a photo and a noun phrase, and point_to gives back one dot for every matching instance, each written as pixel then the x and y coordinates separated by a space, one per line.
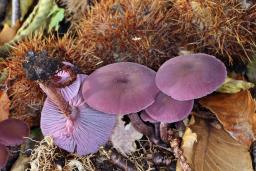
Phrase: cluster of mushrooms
pixel 80 111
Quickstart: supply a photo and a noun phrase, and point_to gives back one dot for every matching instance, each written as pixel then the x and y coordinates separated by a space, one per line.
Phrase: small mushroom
pixel 3 156
pixel 168 110
pixel 12 132
pixel 120 88
pixel 190 76
pixel 82 130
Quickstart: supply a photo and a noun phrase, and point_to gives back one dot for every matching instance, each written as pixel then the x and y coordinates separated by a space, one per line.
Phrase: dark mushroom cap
pixel 13 131
pixel 190 76
pixel 3 155
pixel 168 110
pixel 120 88
pixel 83 132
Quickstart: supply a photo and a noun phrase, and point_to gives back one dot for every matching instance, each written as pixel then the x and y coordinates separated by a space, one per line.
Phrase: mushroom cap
pixel 167 109
pixel 146 118
pixel 120 88
pixel 13 131
pixel 83 132
pixel 190 76
pixel 3 155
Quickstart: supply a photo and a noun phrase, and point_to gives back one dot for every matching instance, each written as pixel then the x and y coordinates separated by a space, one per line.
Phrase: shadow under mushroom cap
pixel 190 76
pixel 120 88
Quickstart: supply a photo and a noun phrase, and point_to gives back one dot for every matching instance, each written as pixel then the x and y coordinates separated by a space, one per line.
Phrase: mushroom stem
pixel 164 131
pixel 157 129
pixel 56 98
pixel 140 126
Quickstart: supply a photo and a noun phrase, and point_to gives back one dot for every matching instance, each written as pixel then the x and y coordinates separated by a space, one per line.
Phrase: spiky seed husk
pixel 133 31
pixel 221 28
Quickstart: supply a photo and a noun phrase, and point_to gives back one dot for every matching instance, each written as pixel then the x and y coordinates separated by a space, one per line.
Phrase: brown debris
pixel 132 31
pixel 178 153
pixel 222 28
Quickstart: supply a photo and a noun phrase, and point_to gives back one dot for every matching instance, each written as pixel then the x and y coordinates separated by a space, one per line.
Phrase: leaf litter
pixel 214 149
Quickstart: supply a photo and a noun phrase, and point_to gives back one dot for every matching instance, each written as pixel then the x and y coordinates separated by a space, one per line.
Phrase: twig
pixel 178 153
pixel 121 161
pixel 15 11
pixel 118 159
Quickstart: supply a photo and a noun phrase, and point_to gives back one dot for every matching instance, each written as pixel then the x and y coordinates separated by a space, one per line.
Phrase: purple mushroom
pixel 190 76
pixel 12 132
pixel 168 110
pixel 3 155
pixel 120 88
pixel 74 126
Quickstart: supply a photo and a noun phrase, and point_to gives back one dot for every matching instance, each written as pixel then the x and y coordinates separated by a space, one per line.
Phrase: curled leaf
pixel 236 112
pixel 234 86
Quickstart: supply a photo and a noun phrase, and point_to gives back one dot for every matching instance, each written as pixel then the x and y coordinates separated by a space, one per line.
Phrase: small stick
pixel 121 161
pixel 118 159
pixel 15 11
pixel 178 153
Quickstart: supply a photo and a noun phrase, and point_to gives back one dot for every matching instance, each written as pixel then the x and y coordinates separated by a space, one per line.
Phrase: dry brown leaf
pixel 236 112
pixel 4 106
pixel 216 150
pixel 8 33
pixel 124 136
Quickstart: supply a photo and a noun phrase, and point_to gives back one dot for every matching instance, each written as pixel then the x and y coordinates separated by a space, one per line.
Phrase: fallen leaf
pixel 8 33
pixel 21 163
pixel 124 137
pixel 236 112
pixel 215 150
pixel 56 16
pixel 4 106
pixel 234 86
pixel 188 140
